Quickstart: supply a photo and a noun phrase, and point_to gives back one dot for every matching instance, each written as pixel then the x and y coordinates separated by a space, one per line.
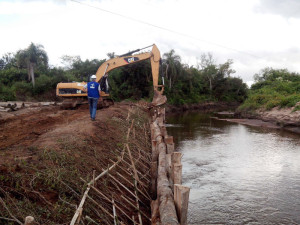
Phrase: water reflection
pixel 238 174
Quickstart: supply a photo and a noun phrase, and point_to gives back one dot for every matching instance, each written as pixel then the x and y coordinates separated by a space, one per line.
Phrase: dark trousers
pixel 93 107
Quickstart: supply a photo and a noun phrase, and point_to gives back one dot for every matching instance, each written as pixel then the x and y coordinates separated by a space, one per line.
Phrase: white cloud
pixel 287 8
pixel 231 29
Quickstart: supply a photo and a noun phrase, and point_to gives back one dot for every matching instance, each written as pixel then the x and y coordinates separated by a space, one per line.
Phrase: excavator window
pixel 71 91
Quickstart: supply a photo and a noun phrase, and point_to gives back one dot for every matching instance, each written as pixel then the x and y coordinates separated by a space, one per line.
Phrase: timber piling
pixel 169 197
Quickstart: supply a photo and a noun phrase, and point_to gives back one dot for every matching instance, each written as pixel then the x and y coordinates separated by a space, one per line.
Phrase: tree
pixel 208 68
pixel 225 69
pixel 82 70
pixel 68 61
pixel 173 66
pixel 111 55
pixel 8 60
pixel 30 58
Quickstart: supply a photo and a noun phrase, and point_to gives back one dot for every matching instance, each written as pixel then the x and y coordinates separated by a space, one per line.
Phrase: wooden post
pixel 160 120
pixel 79 216
pixel 164 131
pixel 164 192
pixel 153 180
pixel 79 209
pixel 29 220
pixel 181 198
pixel 169 140
pixel 177 173
pixel 176 159
pixel 152 130
pixel 154 151
pixel 154 212
pixel 169 164
pixel 170 144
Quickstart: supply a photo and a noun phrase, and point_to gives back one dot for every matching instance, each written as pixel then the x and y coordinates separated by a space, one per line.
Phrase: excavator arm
pixel 121 61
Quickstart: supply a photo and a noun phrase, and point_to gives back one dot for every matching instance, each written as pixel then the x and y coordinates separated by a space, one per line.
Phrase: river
pixel 237 174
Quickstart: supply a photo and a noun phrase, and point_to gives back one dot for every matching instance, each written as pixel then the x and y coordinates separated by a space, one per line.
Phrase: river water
pixel 237 174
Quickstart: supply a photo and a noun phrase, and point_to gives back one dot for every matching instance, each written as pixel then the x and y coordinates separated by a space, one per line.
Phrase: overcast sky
pixel 254 33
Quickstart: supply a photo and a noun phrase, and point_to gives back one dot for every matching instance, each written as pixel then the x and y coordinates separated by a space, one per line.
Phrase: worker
pixel 93 89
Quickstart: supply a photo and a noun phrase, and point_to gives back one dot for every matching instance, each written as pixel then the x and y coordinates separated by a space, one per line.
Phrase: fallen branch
pixel 12 216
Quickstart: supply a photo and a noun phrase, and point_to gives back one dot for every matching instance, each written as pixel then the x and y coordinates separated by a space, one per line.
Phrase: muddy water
pixel 237 174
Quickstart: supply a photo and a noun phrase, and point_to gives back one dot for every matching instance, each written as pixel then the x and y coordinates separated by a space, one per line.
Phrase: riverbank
pixel 204 107
pixel 279 118
pixel 48 156
pixel 276 118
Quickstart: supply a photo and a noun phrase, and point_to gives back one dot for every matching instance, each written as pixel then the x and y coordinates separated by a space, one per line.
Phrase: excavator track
pixel 73 103
pixel 69 104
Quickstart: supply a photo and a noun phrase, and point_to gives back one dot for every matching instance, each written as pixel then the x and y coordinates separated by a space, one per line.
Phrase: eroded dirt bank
pixel 203 107
pixel 285 118
pixel 48 155
pixel 276 118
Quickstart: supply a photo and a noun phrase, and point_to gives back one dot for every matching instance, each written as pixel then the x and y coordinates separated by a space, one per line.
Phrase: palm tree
pixel 173 66
pixel 31 57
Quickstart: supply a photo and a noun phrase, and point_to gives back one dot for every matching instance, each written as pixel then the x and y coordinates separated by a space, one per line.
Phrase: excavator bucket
pixel 158 99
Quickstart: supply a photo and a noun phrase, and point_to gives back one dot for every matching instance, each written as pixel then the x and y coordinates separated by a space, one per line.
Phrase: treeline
pixel 26 75
pixel 272 88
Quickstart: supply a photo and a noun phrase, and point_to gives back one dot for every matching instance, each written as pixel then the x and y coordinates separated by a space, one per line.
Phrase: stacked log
pixel 15 105
pixel 169 198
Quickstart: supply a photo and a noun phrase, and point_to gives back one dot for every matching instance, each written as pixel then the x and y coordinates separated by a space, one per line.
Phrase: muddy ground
pixel 48 155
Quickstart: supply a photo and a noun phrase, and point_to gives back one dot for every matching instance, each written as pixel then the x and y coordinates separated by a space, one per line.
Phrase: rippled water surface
pixel 238 174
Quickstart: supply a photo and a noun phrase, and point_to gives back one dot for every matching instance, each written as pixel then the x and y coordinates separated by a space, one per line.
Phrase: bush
pixel 6 93
pixel 278 88
pixel 290 101
pixel 22 90
pixel 42 84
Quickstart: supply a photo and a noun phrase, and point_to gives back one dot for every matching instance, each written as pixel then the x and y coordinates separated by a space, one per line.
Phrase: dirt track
pixel 19 130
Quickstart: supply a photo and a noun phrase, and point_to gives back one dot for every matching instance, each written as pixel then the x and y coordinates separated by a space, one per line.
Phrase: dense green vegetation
pixel 274 88
pixel 26 75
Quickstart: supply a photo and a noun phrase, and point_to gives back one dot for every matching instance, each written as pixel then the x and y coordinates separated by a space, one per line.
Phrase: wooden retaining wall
pixel 169 198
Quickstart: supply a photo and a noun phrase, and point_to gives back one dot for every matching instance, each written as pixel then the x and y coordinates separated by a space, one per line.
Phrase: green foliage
pixel 297 108
pixel 290 100
pixel 11 75
pixel 43 83
pixel 273 88
pixel 183 84
pixel 81 70
pixel 6 93
pixel 132 82
pixel 23 90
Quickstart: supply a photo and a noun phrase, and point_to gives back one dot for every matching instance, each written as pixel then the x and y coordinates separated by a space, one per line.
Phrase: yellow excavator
pixel 75 94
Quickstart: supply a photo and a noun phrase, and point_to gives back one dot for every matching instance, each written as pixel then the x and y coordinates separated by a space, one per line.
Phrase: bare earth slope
pixel 48 155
